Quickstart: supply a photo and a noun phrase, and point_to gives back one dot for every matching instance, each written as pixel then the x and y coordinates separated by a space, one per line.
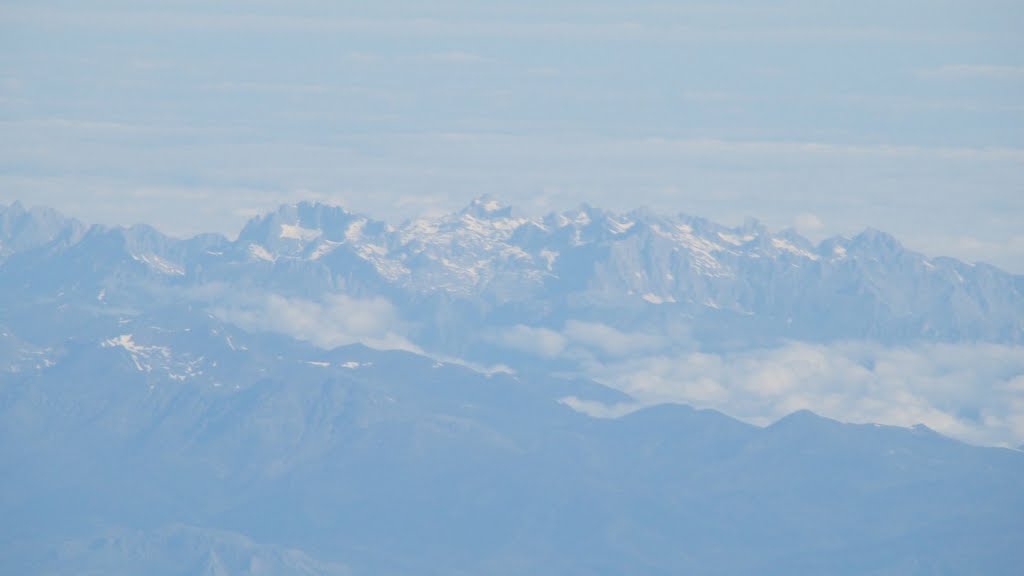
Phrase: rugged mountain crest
pixel 637 267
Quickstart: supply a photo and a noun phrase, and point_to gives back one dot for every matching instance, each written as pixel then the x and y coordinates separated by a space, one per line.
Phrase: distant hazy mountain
pixel 154 420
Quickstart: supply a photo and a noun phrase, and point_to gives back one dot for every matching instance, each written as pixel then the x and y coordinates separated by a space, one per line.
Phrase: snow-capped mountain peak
pixel 563 262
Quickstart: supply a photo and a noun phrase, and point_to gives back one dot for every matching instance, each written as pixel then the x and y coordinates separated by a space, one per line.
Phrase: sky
pixel 822 115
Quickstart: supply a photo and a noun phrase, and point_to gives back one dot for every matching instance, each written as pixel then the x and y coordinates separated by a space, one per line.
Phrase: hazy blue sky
pixel 832 116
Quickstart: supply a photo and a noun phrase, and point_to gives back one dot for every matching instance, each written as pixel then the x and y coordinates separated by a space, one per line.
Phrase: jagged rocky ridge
pixel 453 275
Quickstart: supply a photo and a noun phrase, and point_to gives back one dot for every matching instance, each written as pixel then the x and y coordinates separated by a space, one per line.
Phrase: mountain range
pixel 209 405
pixel 452 276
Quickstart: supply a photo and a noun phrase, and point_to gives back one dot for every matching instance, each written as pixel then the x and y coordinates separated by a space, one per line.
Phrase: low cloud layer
pixel 973 392
pixel 337 320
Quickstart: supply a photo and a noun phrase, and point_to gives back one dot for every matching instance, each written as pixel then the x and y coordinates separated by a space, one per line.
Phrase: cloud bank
pixel 970 391
pixel 973 392
pixel 336 320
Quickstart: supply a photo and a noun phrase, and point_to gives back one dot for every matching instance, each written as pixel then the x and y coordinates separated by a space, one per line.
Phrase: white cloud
pixel 587 343
pixel 973 392
pixel 337 320
pixel 536 341
pixel 808 224
pixel 609 341
pixel 599 410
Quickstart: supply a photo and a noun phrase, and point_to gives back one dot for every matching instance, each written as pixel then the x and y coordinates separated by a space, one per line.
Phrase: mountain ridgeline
pixel 456 276
pixel 154 420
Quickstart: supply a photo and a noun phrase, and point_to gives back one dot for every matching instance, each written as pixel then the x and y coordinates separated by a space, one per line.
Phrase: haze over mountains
pixel 329 394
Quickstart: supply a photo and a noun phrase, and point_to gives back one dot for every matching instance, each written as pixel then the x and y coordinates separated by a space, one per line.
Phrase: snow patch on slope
pixel 655 299
pixel 325 247
pixel 616 227
pixel 787 246
pixel 158 264
pixel 260 253
pixel 142 356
